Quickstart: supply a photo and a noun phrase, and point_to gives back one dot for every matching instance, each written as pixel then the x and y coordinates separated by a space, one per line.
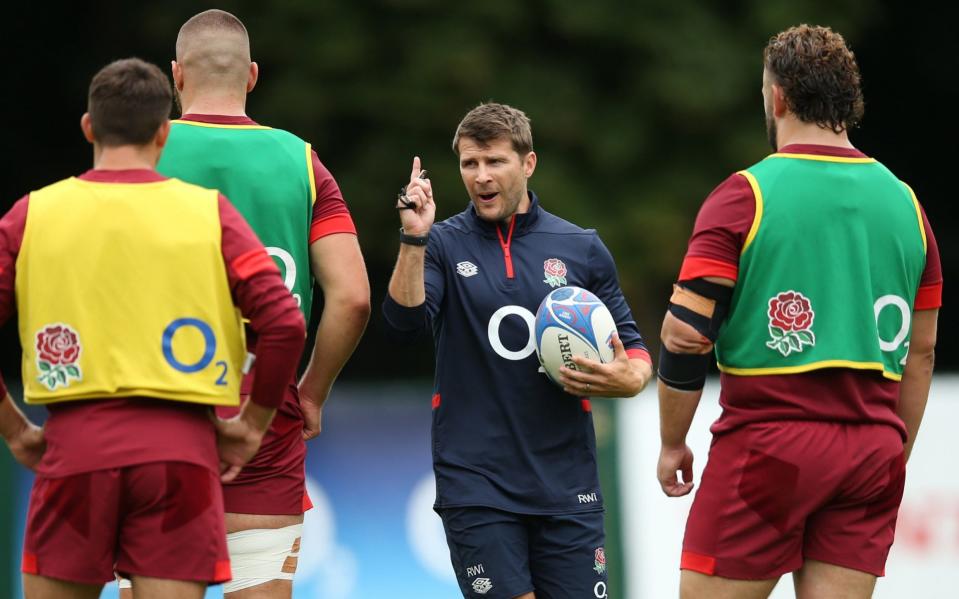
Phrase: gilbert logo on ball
pixel 790 322
pixel 572 322
pixel 58 350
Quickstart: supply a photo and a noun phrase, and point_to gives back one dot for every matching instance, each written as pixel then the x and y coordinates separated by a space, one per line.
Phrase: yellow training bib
pixel 122 291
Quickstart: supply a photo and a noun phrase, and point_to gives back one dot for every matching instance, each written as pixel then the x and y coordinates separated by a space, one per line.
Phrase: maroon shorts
pixel 162 520
pixel 775 494
pixel 274 481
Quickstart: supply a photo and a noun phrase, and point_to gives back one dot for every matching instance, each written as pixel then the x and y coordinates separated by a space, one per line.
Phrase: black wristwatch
pixel 414 239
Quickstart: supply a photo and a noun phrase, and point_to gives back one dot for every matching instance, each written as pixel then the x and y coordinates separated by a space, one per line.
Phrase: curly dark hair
pixel 819 75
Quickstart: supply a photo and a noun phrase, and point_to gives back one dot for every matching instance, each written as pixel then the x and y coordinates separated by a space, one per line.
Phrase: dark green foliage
pixel 639 109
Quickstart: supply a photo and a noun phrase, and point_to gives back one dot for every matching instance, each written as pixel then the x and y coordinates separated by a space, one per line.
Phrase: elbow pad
pixel 702 305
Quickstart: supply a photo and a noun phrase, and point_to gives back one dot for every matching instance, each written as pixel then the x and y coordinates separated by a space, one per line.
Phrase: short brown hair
pixel 129 100
pixel 818 74
pixel 491 121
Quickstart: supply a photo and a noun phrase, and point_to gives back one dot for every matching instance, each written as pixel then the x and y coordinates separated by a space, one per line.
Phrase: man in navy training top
pixel 514 455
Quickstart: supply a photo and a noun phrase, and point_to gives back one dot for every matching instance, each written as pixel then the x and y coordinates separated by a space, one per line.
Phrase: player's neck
pixel 122 158
pixel 209 103
pixel 793 131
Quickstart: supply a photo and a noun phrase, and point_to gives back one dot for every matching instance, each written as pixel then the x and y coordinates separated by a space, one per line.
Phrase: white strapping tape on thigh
pixel 260 555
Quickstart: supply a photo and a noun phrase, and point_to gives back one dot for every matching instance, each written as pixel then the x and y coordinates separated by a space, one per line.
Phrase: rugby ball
pixel 572 322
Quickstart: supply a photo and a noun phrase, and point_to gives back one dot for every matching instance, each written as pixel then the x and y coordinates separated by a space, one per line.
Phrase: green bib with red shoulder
pixel 267 174
pixel 829 271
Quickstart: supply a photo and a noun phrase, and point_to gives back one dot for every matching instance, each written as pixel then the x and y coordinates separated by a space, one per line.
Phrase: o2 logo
pixel 599 590
pixel 209 348
pixel 492 331
pixel 289 269
pixel 894 301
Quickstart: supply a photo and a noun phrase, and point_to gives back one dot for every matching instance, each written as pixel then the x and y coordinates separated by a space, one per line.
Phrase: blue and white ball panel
pixel 572 322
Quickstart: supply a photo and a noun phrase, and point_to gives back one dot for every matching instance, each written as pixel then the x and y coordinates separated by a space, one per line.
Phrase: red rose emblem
pixel 58 349
pixel 554 267
pixel 57 345
pixel 790 311
pixel 599 560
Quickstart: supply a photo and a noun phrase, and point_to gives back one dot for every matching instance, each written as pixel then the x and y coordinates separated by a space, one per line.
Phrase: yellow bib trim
pixel 309 170
pixel 758 216
pixel 810 367
pixel 922 227
pixel 822 158
pixel 217 125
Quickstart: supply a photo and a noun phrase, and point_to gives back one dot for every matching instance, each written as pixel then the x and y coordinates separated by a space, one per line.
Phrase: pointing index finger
pixel 416 168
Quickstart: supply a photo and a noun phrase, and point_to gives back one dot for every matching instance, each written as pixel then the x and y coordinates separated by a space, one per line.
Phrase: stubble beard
pixel 771 133
pixel 506 212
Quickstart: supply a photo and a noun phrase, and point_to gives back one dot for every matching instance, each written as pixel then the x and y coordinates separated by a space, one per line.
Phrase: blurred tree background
pixel 639 109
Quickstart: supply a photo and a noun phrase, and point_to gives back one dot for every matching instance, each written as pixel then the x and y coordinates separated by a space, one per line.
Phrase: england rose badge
pixel 790 322
pixel 555 271
pixel 599 560
pixel 58 351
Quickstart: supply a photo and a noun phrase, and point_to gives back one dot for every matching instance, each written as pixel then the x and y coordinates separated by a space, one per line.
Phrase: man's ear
pixel 162 134
pixel 529 164
pixel 252 77
pixel 86 125
pixel 177 71
pixel 780 106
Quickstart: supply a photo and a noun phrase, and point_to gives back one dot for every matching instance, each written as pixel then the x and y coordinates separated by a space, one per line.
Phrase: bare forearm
pixel 407 285
pixel 257 416
pixel 341 326
pixel 676 411
pixel 642 371
pixel 917 375
pixel 338 267
pixel 12 420
pixel 913 394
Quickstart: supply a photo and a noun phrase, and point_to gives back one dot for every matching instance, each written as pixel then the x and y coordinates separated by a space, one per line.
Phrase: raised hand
pixel 416 206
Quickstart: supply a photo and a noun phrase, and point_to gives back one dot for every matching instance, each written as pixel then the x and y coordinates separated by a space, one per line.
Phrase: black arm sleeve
pixel 687 372
pixel 707 326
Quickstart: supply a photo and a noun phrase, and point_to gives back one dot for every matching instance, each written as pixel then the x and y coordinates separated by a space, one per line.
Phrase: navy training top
pixel 503 435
